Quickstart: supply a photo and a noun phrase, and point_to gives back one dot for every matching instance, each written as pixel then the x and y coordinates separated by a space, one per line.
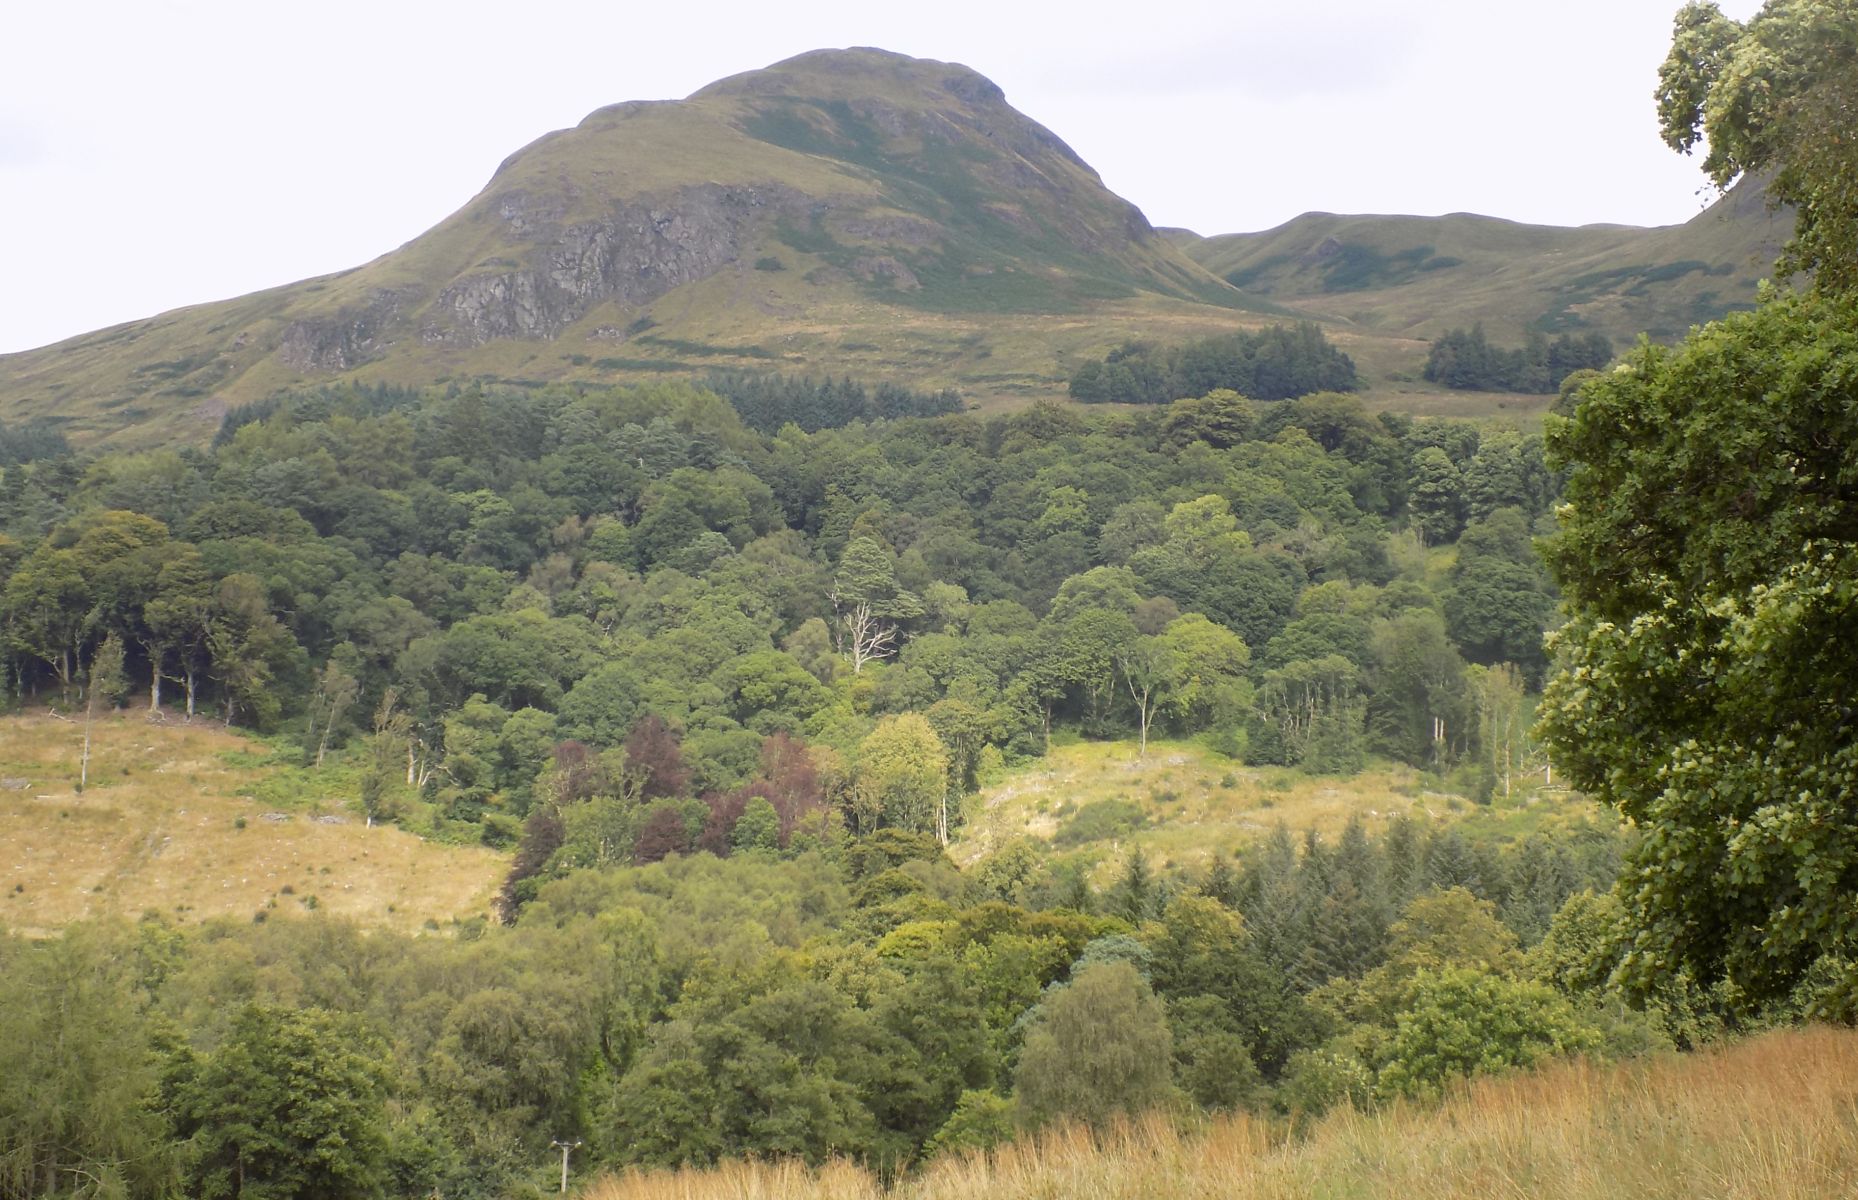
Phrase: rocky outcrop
pixel 646 248
pixel 938 125
pixel 877 178
pixel 350 338
pixel 873 267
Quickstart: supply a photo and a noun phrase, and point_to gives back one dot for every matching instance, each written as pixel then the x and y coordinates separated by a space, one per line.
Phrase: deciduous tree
pixel 1098 1048
pixel 1709 554
pixel 1777 93
pixel 289 1107
pixel 869 602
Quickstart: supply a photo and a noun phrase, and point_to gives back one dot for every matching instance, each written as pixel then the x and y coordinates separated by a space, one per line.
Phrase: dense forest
pixel 1465 359
pixel 1277 362
pixel 766 401
pixel 462 579
pixel 724 693
pixel 860 997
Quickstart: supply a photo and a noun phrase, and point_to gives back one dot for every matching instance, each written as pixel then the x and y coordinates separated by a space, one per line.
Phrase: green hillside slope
pixel 1418 276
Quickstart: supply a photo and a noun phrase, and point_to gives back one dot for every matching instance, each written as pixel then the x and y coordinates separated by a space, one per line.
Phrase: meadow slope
pixel 194 821
pixel 1183 805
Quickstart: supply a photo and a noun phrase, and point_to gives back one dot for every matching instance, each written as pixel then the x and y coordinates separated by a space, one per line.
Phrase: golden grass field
pixel 1199 804
pixel 159 828
pixel 1771 1118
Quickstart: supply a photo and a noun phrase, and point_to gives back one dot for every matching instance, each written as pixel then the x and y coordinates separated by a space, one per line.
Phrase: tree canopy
pixel 1709 554
pixel 1708 551
pixel 1776 94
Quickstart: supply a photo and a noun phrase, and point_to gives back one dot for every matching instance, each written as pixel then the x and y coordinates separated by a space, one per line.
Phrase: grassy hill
pixel 194 821
pixel 1770 1117
pixel 853 210
pixel 1415 277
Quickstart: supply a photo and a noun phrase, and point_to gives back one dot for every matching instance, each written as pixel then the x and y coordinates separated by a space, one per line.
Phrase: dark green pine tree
pixel 1348 937
pixel 1451 862
pixel 1315 868
pixel 1222 883
pixel 1074 890
pixel 1277 909
pixel 1359 862
pixel 1136 896
pixel 1491 872
pixel 1403 862
pixel 1542 876
pixel 1361 866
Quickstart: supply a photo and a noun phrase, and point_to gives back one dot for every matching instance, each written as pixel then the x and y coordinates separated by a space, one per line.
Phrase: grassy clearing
pixel 1194 804
pixel 1775 1117
pixel 194 821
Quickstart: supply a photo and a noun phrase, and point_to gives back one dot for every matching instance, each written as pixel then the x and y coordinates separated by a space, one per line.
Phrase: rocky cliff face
pixel 649 246
pixel 945 153
pixel 941 141
pixel 347 340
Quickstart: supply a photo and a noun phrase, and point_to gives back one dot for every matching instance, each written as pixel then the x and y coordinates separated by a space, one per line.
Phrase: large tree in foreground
pixel 1709 684
pixel 1708 550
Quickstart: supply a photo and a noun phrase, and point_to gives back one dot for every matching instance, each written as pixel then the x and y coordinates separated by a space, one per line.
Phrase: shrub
pixel 1469 1022
pixel 1100 820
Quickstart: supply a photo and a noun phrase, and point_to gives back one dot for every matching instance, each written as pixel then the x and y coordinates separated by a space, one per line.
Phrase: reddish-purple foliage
pixel 789 780
pixel 543 834
pixel 719 830
pixel 663 833
pixel 655 760
pixel 578 774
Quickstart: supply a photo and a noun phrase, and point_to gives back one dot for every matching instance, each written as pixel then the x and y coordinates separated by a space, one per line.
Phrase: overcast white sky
pixel 158 153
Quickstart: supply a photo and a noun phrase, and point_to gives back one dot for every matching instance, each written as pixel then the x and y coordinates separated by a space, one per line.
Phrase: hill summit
pixel 743 225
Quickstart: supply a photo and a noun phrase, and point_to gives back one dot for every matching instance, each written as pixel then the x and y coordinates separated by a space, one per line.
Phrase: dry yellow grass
pixel 158 829
pixel 741 1180
pixel 1773 1118
pixel 1193 813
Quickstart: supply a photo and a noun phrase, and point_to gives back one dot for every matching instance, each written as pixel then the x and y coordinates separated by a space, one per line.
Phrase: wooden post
pixel 566 1149
pixel 83 762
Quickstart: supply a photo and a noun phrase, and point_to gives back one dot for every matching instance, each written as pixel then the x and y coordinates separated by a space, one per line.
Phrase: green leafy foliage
pixel 1775 94
pixel 1707 555
pixel 289 1106
pixel 1099 820
pixel 584 560
pixel 830 997
pixel 619 632
pixel 1464 1022
pixel 78 1074
pixel 1097 1048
